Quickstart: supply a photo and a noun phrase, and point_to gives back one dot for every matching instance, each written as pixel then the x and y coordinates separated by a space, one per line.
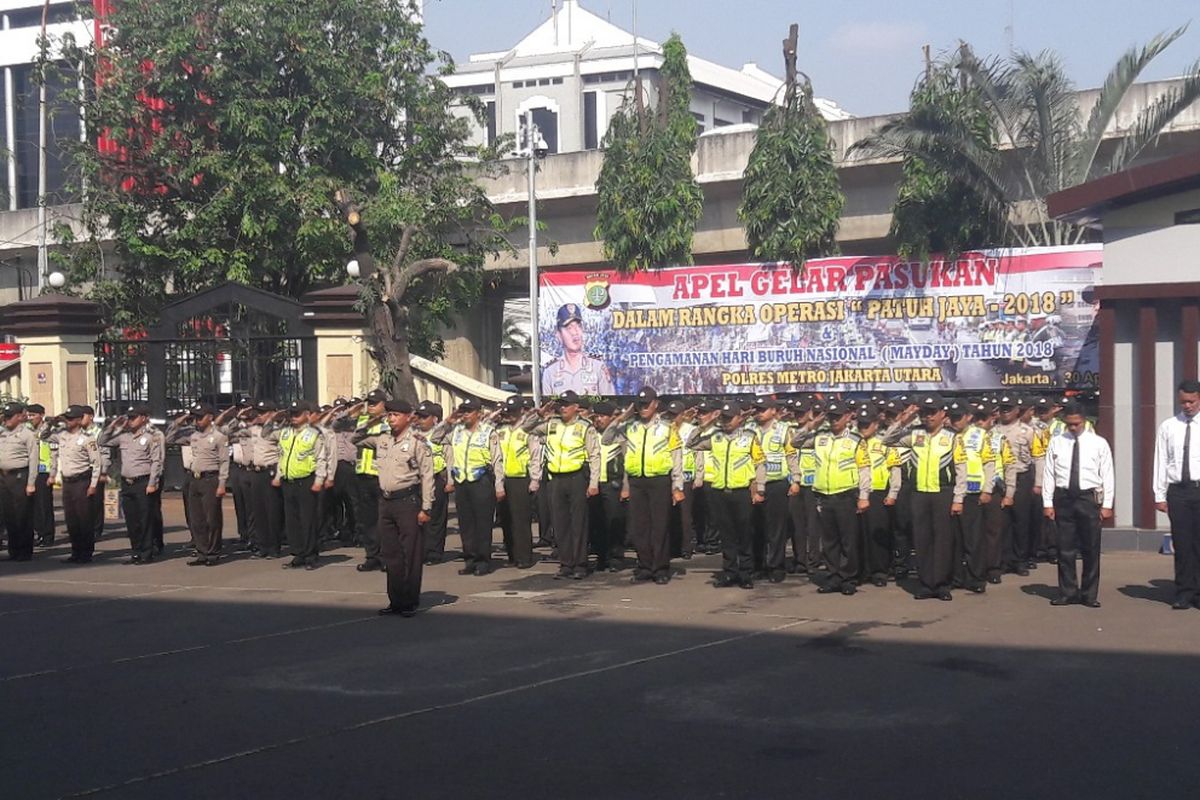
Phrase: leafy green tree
pixel 236 136
pixel 649 200
pixel 791 199
pixel 1045 140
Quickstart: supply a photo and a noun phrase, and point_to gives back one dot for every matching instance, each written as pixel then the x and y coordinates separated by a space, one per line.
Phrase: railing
pixel 448 388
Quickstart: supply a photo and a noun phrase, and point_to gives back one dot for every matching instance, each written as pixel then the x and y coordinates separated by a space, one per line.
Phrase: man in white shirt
pixel 1078 494
pixel 1177 490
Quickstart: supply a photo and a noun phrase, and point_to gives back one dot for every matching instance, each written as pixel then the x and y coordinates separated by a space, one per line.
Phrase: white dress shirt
pixel 1168 453
pixel 1095 466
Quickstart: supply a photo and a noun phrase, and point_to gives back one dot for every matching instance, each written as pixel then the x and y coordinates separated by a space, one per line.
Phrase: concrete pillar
pixel 343 366
pixel 57 339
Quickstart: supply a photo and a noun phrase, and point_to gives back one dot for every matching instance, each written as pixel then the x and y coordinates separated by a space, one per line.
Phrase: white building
pixel 575 69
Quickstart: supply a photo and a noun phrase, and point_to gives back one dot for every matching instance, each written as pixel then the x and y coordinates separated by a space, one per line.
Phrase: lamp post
pixel 535 149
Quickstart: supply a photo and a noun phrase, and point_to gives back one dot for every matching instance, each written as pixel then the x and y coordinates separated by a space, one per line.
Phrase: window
pixel 491 122
pixel 62 127
pixel 547 123
pixel 720 123
pixel 609 77
pixel 484 88
pixel 591 128
pixel 32 17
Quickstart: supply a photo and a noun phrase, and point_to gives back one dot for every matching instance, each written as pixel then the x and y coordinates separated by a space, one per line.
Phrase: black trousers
pixel 268 512
pixel 995 520
pixel 970 543
pixel 683 523
pixel 97 501
pixel 707 534
pixel 243 507
pixel 341 503
pixel 1183 508
pixel 204 507
pixel 733 512
pixel 1077 518
pixel 568 503
pixel 400 547
pixel 839 535
pixel 43 510
pixel 545 514
pixel 16 510
pixel 77 513
pixel 300 518
pixel 806 531
pixel 366 512
pixel 139 516
pixel 902 524
pixel 1022 536
pixel 771 517
pixel 606 525
pixel 649 523
pixel 434 532
pixel 475 502
pixel 933 534
pixel 516 520
pixel 155 520
pixel 877 541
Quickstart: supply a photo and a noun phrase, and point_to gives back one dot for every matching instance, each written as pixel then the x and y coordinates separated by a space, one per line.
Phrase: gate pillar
pixel 343 366
pixel 57 338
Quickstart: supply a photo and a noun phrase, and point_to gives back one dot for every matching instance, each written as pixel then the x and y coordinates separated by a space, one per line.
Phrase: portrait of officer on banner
pixel 574 370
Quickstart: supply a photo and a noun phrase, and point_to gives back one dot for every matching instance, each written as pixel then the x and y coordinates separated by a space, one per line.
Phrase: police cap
pixel 568 314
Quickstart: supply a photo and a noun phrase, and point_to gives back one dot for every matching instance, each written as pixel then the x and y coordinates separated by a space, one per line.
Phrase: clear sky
pixel 863 54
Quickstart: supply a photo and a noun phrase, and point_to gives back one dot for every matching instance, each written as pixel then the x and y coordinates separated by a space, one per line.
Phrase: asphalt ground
pixel 248 681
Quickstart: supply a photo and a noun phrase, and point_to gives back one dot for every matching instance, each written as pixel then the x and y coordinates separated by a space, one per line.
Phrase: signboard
pixel 9 352
pixel 993 319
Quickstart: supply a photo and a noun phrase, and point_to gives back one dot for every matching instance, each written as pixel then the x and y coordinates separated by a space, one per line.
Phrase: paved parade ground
pixel 248 681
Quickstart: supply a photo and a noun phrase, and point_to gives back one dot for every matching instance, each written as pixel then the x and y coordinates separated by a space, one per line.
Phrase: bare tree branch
pixel 415 270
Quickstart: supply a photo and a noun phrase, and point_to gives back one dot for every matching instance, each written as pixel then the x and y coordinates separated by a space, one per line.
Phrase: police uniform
pixel 97 500
pixel 43 498
pixel 240 476
pixel 975 474
pixel 1022 532
pixel 300 473
pixel 366 484
pixel 995 515
pixel 514 511
pixel 343 456
pixel 79 466
pixel 607 512
pixel 590 378
pixel 142 450
pixel 431 428
pixel 802 504
pixel 771 517
pixel 210 475
pixel 18 480
pixel 878 481
pixel 266 498
pixel 835 488
pixel 405 465
pixel 477 477
pixel 685 535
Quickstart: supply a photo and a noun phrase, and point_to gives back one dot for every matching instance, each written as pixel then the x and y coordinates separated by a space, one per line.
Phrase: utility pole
pixel 535 348
pixel 43 261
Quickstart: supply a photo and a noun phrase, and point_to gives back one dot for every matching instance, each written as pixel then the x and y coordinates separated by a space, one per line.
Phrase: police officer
pixel 300 473
pixel 574 370
pixel 79 468
pixel 142 450
pixel 878 482
pixel 97 500
pixel 802 503
pixel 572 474
pixel 266 498
pixel 771 517
pixel 427 422
pixel 607 512
pixel 995 513
pixel 476 481
pixel 654 472
pixel 1022 546
pixel 515 513
pixel 43 499
pixel 684 535
pixel 18 480
pixel 405 466
pixel 974 476
pixel 230 422
pixel 366 487
pixel 342 456
pixel 210 475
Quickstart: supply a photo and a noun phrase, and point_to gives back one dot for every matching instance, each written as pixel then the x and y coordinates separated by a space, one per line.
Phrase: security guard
pixel 878 481
pixel 771 517
pixel 366 487
pixel 300 473
pixel 43 499
pixel 142 449
pixel 974 476
pixel 477 483
pixel 428 424
pixel 572 474
pixel 802 503
pixel 1021 546
pixel 607 517
pixel 654 472
pixel 405 466
pixel 515 513
pixel 79 467
pixel 18 480
pixel 210 476
pixel 739 479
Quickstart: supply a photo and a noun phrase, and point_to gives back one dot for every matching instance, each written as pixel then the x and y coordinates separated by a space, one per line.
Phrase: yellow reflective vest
pixel 365 463
pixel 472 452
pixel 973 447
pixel 566 448
pixel 648 448
pixel 514 445
pixel 689 456
pixel 873 454
pixel 735 459
pixel 298 452
pixel 609 466
pixel 835 462
pixel 933 460
pixel 777 446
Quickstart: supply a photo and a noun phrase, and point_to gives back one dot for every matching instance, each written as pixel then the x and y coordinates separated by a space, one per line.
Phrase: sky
pixel 864 55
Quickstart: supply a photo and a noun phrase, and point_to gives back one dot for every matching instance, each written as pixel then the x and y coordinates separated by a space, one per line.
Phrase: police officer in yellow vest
pixel 43 499
pixel 476 481
pixel 300 473
pixel 739 476
pixel 684 535
pixel 654 472
pixel 878 480
pixel 514 511
pixel 975 474
pixel 607 512
pixel 995 513
pixel 802 503
pixel 771 517
pixel 572 473
pixel 836 488
pixel 932 445
pixel 428 425
pixel 366 485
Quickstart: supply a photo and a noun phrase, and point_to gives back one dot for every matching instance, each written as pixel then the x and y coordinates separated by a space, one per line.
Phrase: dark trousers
pixel 683 523
pixel 734 516
pixel 568 503
pixel 1022 536
pixel 97 501
pixel 400 547
pixel 77 513
pixel 341 503
pixel 876 538
pixel 1077 517
pixel 545 515
pixel 902 524
pixel 475 502
pixel 139 516
pixel 839 535
pixel 516 520
pixel 606 525
pixel 933 534
pixel 707 535
pixel 268 512
pixel 970 543
pixel 243 507
pixel 43 510
pixel 16 510
pixel 995 519
pixel 366 512
pixel 1183 508
pixel 300 518
pixel 772 516
pixel 203 509
pixel 649 523
pixel 155 520
pixel 434 531
pixel 806 531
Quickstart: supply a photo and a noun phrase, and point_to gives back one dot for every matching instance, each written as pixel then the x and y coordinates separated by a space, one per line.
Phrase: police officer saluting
pixel 79 465
pixel 142 450
pixel 210 473
pixel 43 499
pixel 18 480
pixel 477 482
pixel 406 494
pixel 300 473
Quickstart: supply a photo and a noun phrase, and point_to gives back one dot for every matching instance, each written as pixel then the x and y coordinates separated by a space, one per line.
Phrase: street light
pixel 57 280
pixel 352 268
pixel 535 149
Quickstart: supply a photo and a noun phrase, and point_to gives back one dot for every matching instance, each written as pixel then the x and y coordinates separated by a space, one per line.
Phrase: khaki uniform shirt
pixel 142 452
pixel 210 450
pixel 404 461
pixel 1020 440
pixel 19 450
pixel 78 453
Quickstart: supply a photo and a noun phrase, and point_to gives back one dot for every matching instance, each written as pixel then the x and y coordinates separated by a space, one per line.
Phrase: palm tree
pixel 1046 141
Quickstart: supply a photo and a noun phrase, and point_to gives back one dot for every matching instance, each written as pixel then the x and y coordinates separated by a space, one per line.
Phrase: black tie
pixel 1073 486
pixel 1186 476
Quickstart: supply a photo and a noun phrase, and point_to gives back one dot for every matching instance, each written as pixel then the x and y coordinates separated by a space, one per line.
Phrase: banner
pixel 994 319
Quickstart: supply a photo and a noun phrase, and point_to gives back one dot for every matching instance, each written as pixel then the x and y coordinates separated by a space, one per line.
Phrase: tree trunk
pixel 390 353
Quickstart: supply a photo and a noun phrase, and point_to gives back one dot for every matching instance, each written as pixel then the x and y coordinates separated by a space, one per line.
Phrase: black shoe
pixel 900 574
pixel 641 577
pixel 295 563
pixel 467 571
pixel 387 611
pixel 944 594
pixel 482 569
pixel 829 588
pixel 849 589
pixel 879 581
pixel 686 556
pixel 408 613
pixel 580 573
pixel 198 562
pixel 429 562
pixel 210 562
pixel 746 583
pixel 977 588
pixel 778 576
pixel 311 565
pixel 1031 564
pixel 724 581
pixel 563 573
pixel 662 580
pixel 925 594
pixel 1180 604
pixel 613 568
pixel 370 565
pixel 1091 603
pixel 1064 601
pixel 1022 571
pixel 76 560
pixel 994 579
pixel 133 560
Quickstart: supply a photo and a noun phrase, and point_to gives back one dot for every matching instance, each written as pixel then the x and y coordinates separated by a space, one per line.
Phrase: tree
pixel 1046 141
pixel 649 200
pixel 791 199
pixel 233 139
